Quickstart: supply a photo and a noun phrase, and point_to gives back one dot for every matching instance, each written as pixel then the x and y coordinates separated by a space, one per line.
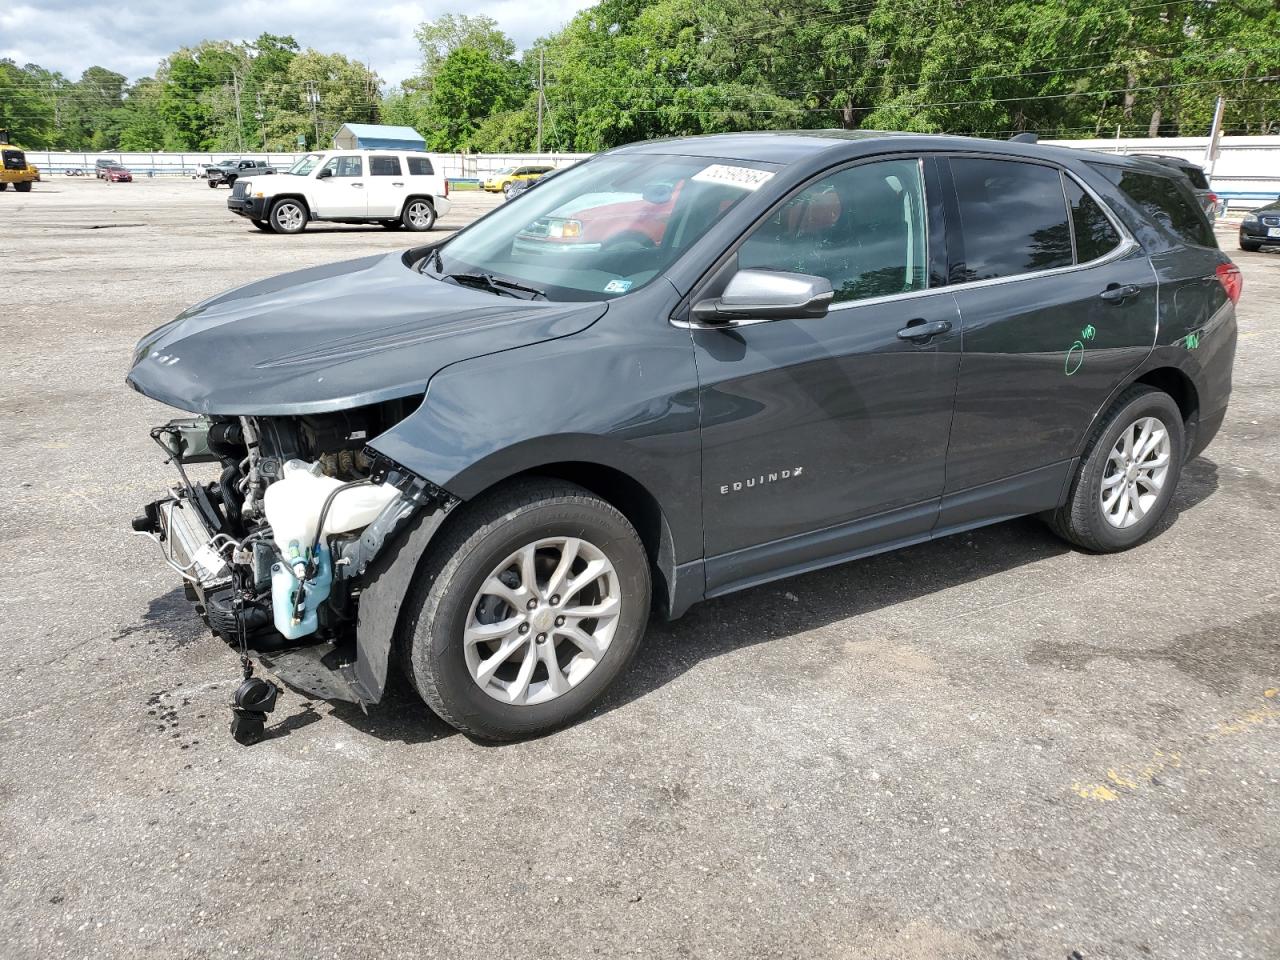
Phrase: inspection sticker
pixel 617 286
pixel 744 177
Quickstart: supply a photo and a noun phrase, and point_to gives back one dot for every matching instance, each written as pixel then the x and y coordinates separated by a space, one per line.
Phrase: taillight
pixel 446 186
pixel 1231 280
pixel 1213 197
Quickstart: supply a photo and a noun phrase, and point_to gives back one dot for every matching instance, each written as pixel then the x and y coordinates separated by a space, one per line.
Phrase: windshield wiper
pixel 487 281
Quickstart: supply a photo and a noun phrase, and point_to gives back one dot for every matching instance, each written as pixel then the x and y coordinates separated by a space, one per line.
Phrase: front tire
pixel 1250 245
pixel 288 216
pixel 24 187
pixel 213 184
pixel 529 607
pixel 418 215
pixel 1131 467
pixel 263 226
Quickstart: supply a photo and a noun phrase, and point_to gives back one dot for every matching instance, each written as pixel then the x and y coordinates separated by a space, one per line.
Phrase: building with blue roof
pixel 377 136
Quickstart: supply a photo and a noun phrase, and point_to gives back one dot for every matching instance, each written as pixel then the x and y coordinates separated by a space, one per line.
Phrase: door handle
pixel 394 184
pixel 920 332
pixel 1116 293
pixel 357 184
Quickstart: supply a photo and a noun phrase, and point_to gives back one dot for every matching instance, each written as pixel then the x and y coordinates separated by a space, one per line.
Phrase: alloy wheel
pixel 1135 472
pixel 289 216
pixel 542 620
pixel 419 215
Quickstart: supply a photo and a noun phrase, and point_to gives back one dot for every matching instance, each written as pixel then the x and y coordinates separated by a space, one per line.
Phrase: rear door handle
pixel 918 331
pixel 357 184
pixel 394 184
pixel 1118 294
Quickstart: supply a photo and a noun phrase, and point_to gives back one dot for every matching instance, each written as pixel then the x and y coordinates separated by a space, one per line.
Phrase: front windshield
pixel 599 230
pixel 306 164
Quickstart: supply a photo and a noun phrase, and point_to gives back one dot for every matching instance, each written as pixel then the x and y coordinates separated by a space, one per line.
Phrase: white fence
pixel 1246 172
pixel 456 166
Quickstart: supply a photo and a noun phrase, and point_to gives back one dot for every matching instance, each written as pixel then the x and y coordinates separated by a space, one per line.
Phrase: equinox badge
pixel 760 481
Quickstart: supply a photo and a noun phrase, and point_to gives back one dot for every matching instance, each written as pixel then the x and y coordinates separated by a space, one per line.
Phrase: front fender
pixel 609 395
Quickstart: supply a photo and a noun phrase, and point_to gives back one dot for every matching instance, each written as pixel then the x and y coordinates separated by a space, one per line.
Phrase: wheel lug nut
pixel 531 604
pixel 559 621
pixel 555 599
pixel 542 638
pixel 524 628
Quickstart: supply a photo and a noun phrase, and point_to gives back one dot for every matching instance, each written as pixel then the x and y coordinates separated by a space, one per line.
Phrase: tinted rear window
pixel 1196 176
pixel 419 166
pixel 1095 234
pixel 1013 218
pixel 1167 200
pixel 384 166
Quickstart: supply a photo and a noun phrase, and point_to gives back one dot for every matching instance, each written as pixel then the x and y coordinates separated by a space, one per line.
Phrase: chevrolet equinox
pixel 678 370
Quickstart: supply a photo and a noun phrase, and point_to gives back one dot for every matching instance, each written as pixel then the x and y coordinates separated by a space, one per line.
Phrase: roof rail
pixel 1024 138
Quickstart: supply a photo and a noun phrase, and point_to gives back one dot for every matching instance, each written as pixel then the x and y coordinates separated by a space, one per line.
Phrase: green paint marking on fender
pixel 1089 332
pixel 1191 341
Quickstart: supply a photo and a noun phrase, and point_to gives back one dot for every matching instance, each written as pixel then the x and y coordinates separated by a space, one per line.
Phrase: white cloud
pixel 131 38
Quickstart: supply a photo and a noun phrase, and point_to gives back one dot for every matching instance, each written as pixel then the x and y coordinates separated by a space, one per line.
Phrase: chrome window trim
pixel 1128 244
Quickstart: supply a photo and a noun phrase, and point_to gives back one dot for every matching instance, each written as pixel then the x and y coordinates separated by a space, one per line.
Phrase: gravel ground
pixel 990 746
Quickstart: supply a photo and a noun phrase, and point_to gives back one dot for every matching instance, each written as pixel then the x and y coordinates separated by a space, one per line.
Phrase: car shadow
pixel 814 600
pixel 770 612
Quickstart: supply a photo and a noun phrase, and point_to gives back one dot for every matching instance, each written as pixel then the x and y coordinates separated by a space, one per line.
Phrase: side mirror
pixel 755 295
pixel 324 174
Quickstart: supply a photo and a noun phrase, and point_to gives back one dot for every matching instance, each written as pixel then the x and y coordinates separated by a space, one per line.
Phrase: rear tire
pixel 288 216
pixel 1127 477
pixel 3 187
pixel 418 215
pixel 24 187
pixel 453 596
pixel 1251 246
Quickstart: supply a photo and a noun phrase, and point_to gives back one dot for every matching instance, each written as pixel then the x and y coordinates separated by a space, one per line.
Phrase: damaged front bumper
pixel 351 587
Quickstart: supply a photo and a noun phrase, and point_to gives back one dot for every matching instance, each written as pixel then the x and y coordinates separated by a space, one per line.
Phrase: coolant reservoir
pixel 293 506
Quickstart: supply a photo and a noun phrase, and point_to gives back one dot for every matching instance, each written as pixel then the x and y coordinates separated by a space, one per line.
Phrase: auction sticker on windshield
pixel 745 177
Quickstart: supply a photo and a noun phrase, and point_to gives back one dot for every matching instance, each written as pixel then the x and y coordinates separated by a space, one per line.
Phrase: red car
pixel 117 175
pixel 602 220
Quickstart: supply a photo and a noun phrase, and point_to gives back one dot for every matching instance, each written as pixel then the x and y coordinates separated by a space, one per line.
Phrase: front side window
pixel 862 228
pixel 1013 218
pixel 419 166
pixel 345 166
pixel 384 166
pixel 602 228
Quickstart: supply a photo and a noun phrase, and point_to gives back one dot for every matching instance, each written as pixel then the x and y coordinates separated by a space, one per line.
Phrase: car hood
pixel 334 337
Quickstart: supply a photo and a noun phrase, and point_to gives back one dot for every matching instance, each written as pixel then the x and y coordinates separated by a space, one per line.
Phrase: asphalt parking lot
pixel 990 746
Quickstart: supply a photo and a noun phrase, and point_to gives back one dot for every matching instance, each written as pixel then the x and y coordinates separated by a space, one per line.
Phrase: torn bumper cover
pixel 344 651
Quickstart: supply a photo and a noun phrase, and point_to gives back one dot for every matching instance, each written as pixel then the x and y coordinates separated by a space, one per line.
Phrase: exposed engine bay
pixel 272 550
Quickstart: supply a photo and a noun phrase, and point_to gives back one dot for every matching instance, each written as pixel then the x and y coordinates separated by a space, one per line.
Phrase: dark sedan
pixel 1261 227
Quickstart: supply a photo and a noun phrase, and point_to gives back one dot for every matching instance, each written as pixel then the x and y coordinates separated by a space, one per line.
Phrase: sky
pixel 131 36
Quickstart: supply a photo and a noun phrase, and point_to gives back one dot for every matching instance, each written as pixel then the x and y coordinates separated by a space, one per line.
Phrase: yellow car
pixel 498 182
pixel 15 169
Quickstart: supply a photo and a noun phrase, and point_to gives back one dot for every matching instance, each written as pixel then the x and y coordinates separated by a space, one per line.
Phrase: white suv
pixel 392 187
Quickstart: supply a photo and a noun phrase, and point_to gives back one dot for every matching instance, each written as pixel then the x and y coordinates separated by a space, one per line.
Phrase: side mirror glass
pixel 755 295
pixel 325 173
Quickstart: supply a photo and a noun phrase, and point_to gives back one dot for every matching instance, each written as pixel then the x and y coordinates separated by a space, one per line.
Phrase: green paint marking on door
pixel 1075 358
pixel 1089 332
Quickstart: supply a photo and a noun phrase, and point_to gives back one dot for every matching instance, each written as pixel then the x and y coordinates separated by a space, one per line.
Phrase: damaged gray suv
pixel 672 372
